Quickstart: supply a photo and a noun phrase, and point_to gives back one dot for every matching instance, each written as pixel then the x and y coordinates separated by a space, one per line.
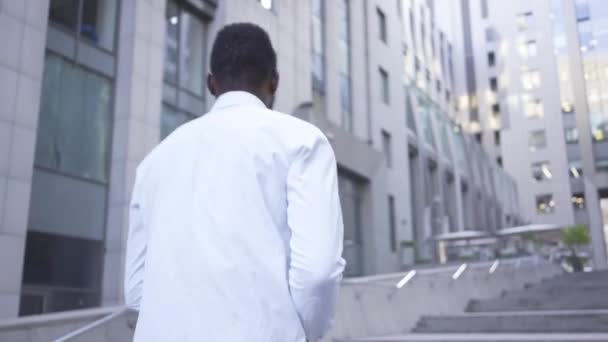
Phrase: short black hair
pixel 242 54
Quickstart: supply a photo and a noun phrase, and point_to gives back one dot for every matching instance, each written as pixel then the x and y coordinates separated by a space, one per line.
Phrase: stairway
pixel 569 307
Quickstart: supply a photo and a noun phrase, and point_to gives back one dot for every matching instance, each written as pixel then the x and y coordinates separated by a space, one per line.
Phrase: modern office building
pixel 89 87
pixel 538 70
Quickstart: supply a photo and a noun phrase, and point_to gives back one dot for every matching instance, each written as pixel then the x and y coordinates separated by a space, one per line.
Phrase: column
pixel 137 113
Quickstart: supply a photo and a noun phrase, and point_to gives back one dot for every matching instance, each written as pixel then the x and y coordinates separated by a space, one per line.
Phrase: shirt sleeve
pixel 315 219
pixel 137 242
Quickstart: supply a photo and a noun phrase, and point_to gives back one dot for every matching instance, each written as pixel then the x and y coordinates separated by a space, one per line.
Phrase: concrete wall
pixel 370 306
pixel 23 27
pixel 375 307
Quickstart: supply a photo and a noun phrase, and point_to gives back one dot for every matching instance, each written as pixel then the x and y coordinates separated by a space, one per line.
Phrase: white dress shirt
pixel 236 230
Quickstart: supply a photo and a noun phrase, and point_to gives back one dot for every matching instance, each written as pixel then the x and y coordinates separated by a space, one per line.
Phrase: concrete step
pixel 525 302
pixel 577 280
pixel 486 338
pixel 583 321
pixel 599 290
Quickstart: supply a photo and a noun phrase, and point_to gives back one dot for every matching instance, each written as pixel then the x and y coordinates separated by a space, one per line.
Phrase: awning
pixel 485 241
pixel 530 228
pixel 462 235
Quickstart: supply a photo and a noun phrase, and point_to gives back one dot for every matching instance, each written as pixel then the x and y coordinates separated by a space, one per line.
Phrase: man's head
pixel 243 59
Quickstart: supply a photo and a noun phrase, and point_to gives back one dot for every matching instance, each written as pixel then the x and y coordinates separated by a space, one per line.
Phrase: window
pixel 392 223
pixel 451 64
pixel 64 13
pixel 74 127
pixel 571 135
pixel 530 79
pixel 578 201
pixel 493 84
pixel 528 49
pixel 382 30
pixel 496 110
pixel 576 169
pixel 567 107
pixel 525 21
pixel 266 4
pixel 387 148
pixel 497 138
pixel 172 118
pixel 412 27
pixel 541 171
pixel 479 138
pixel 351 194
pixel 533 108
pixel 384 86
pixel 491 59
pixel 69 185
pixel 438 86
pixel 97 22
pixel 484 9
pixel 545 204
pixel 582 10
pixel 345 65
pixel 538 140
pixel 490 34
pixel 184 68
pixel 499 161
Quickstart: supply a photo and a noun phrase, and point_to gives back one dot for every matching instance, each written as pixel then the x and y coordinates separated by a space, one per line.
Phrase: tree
pixel 573 237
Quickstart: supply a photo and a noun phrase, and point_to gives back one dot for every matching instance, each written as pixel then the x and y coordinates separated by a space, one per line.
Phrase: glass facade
pixel 96 23
pixel 75 121
pixel 345 65
pixel 560 49
pixel 64 247
pixel 318 54
pixel 66 226
pixel 184 68
pixel 592 22
pixel 426 121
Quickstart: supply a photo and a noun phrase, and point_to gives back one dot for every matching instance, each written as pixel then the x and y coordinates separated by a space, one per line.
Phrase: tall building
pixel 539 104
pixel 90 87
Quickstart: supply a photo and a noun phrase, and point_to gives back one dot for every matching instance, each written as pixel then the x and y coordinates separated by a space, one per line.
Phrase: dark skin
pixel 265 91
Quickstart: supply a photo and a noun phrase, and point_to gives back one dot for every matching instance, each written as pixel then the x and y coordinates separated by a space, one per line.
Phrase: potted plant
pixel 573 237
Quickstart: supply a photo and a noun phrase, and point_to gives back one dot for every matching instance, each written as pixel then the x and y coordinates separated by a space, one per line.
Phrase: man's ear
pixel 274 82
pixel 212 85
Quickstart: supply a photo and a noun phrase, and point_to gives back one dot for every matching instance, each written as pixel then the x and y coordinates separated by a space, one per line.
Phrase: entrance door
pixel 350 198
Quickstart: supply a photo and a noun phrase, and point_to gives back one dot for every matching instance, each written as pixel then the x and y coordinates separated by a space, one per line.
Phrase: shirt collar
pixel 236 98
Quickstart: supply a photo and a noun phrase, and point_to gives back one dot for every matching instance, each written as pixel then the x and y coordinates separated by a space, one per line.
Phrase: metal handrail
pixel 517 262
pixel 93 325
